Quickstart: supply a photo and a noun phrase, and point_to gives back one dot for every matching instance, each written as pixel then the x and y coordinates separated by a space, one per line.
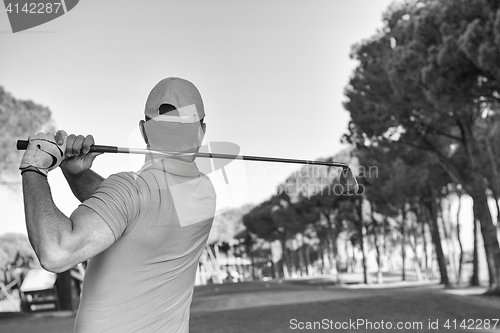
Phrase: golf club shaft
pixel 23 144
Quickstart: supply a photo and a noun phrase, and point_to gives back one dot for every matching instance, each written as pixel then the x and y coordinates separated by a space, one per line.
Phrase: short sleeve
pixel 116 200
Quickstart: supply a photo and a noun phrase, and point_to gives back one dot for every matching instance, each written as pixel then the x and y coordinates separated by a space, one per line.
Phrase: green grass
pixel 415 306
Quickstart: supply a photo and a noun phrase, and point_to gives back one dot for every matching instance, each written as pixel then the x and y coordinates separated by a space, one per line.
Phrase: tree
pixel 426 81
pixel 276 220
pixel 18 120
pixel 228 224
pixel 15 252
pixel 403 178
pixel 326 226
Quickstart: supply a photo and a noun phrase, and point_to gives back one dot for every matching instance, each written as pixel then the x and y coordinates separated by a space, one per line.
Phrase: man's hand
pixel 43 154
pixel 78 159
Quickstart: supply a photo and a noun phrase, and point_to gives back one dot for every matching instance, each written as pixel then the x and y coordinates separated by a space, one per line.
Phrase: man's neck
pixel 189 157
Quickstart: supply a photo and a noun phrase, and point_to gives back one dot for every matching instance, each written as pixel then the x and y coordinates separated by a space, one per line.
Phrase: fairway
pixel 416 308
pixel 287 306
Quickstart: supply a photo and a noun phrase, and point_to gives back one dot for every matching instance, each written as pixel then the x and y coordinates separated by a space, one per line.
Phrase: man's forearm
pixel 47 226
pixel 84 184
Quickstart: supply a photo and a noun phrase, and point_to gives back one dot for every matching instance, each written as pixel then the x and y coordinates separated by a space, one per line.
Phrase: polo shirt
pixel 161 218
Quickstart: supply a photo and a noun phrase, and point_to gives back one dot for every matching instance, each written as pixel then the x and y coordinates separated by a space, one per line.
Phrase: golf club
pixel 347 179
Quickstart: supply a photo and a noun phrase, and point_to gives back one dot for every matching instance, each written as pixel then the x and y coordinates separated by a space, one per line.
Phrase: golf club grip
pixel 23 144
pixel 103 149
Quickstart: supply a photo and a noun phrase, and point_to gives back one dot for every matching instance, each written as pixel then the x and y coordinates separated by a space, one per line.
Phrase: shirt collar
pixel 173 166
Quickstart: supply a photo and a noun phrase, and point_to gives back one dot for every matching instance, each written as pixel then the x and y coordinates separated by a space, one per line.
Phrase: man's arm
pixel 61 242
pixel 83 185
pixel 76 166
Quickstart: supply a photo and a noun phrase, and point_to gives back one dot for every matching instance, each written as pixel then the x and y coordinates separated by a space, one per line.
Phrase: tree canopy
pixel 429 80
pixel 18 120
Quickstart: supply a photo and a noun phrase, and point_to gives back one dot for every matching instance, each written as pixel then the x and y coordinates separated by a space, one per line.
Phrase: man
pixel 143 232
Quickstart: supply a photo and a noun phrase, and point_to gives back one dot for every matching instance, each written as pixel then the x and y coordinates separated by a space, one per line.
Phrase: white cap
pixel 180 93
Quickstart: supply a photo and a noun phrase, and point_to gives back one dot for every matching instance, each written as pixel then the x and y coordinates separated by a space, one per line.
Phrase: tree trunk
pixel 380 276
pixel 320 259
pixel 376 239
pixel 284 259
pixel 337 259
pixel 307 250
pixel 447 237
pixel 495 183
pixel 425 252
pixel 459 238
pixel 351 259
pixel 276 271
pixel 384 235
pixel 496 197
pixel 412 240
pixel 215 262
pixel 386 232
pixel 332 243
pixel 482 212
pixel 361 231
pixel 250 254
pixel 331 256
pixel 300 252
pixel 436 239
pixel 326 260
pixel 252 267
pixel 489 232
pixel 291 257
pixel 474 279
pixel 403 243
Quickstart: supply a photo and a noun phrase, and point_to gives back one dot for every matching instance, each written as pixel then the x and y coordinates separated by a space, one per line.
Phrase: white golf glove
pixel 43 153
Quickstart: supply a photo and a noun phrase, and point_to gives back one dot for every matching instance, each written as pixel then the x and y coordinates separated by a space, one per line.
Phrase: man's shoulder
pixel 208 182
pixel 125 178
pixel 124 175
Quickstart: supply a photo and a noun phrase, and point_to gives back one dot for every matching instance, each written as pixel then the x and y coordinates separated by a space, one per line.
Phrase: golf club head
pixel 348 181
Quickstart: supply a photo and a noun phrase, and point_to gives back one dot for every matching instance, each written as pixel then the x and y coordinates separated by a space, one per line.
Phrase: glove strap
pixel 33 170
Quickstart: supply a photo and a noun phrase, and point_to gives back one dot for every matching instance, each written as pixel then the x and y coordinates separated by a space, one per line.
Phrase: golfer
pixel 143 233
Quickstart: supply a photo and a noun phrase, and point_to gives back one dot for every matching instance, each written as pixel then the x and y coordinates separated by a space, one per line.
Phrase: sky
pixel 272 76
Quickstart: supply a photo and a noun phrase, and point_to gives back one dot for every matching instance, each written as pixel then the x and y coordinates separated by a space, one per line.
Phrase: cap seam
pixel 169 93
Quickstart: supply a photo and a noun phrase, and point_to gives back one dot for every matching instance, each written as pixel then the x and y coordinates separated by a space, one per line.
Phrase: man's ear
pixel 201 134
pixel 143 131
